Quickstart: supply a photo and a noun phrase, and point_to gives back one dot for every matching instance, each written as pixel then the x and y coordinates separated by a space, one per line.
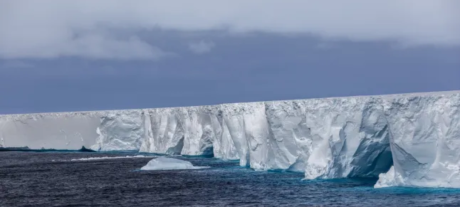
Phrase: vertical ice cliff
pixel 58 130
pixel 425 141
pixel 186 131
pixel 417 135
pixel 120 130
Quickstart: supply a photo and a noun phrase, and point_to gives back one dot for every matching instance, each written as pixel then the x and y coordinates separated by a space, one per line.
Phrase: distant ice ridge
pixel 417 134
pixel 164 163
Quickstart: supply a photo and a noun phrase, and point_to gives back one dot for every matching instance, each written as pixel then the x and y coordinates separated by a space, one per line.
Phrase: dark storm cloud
pixel 254 67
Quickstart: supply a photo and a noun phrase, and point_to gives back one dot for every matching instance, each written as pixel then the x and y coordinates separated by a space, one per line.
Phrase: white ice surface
pixel 164 163
pixel 425 141
pixel 324 138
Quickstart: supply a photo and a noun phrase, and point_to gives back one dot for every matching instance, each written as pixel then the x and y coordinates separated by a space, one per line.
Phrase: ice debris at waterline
pixel 164 163
pixel 109 158
pixel 103 158
pixel 417 134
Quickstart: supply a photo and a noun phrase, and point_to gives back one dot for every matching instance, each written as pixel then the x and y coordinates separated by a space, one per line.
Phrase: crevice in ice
pixel 206 140
pixel 371 162
pixel 373 154
pixel 208 152
pixel 381 164
pixel 176 150
pixel 412 168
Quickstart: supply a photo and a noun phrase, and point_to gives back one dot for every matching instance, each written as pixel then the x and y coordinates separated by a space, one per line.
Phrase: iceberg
pixel 403 139
pixel 164 163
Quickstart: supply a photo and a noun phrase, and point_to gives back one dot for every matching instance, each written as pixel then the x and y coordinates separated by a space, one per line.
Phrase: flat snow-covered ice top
pixel 103 112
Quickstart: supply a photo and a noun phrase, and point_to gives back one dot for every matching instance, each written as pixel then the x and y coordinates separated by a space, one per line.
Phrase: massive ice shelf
pixel 417 134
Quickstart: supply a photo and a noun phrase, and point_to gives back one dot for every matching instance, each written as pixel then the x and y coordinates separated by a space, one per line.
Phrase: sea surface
pixel 65 179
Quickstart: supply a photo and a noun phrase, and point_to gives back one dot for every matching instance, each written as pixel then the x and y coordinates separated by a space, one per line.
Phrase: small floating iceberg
pixel 164 163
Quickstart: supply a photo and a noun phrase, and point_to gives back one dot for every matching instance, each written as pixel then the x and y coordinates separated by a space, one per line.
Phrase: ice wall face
pixel 349 138
pixel 59 131
pixel 425 141
pixel 120 130
pixel 417 135
pixel 186 131
pixel 103 130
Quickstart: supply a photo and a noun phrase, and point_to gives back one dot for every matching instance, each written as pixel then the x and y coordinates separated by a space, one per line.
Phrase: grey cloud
pixel 325 45
pixel 54 28
pixel 201 47
pixel 16 64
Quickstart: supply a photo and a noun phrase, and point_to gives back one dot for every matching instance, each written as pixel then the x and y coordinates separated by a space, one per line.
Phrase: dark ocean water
pixel 51 179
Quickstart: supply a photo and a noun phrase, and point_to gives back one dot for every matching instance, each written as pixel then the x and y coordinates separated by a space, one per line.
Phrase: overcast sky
pixel 66 55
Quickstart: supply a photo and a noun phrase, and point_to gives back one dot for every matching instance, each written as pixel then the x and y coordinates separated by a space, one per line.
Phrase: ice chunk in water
pixel 164 163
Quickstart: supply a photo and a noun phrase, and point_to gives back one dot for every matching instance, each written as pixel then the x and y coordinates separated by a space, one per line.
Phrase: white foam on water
pixel 109 158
